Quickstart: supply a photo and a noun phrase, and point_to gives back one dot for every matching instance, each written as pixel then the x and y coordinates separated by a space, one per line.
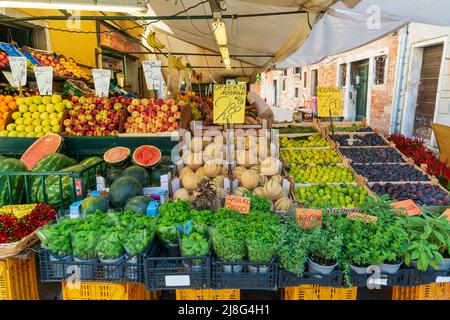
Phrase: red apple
pixel 75 99
pixel 106 133
pixel 117 106
pixel 89 133
pixel 160 101
pixel 174 108
pixel 115 133
pixel 130 119
pixel 177 115
pixel 111 127
pixel 165 107
pixel 140 108
pixel 172 119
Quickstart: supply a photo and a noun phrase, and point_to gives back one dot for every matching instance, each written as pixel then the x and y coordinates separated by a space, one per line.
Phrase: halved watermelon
pixel 42 147
pixel 146 156
pixel 116 155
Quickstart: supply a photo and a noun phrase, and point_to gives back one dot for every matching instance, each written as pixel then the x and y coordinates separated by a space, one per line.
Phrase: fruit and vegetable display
pixel 371 139
pixel 390 172
pixel 315 140
pixel 7 104
pixel 416 150
pixel 106 236
pixel 372 155
pixel 320 173
pixel 296 129
pixel 331 196
pixel 421 193
pixel 14 227
pixel 36 116
pixel 310 156
pixel 352 128
pixel 152 116
pixel 48 60
pixel 4 60
pixel 71 66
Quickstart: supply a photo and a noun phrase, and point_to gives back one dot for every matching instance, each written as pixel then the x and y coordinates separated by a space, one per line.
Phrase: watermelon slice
pixel 42 147
pixel 146 156
pixel 116 155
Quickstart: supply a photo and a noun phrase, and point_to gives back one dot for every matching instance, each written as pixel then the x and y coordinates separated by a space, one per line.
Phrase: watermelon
pixel 91 204
pixel 139 173
pixel 123 189
pixel 146 156
pixel 90 161
pixel 113 175
pixel 42 147
pixel 116 156
pixel 17 182
pixel 138 204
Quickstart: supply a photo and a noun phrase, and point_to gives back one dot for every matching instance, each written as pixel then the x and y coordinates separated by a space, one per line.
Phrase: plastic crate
pixel 56 270
pixel 316 292
pixel 152 294
pixel 250 276
pixel 418 278
pixel 400 278
pixel 169 273
pixel 81 182
pixel 433 291
pixel 208 294
pixel 18 279
pixel 102 291
pixel 288 279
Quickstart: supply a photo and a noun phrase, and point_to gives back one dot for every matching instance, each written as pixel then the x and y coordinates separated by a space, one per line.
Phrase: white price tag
pixel 44 79
pixel 178 281
pixel 18 70
pixel 442 279
pixel 381 282
pixel 102 78
pixel 152 73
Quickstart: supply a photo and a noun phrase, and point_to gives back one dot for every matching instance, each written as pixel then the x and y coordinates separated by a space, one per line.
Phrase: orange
pixel 12 105
pixel 2 97
pixel 9 98
pixel 5 115
pixel 4 108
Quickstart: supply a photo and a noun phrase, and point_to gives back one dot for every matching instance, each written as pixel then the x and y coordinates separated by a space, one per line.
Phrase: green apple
pixel 20 121
pixel 68 104
pixel 36 115
pixel 44 115
pixel 21 134
pixel 37 100
pixel 50 108
pixel 38 129
pixel 59 107
pixel 38 135
pixel 30 135
pixel 33 108
pixel 45 122
pixel 4 133
pixel 12 134
pixel 16 115
pixel 42 108
pixel 46 100
pixel 47 129
pixel 36 122
pixel 20 101
pixel 56 98
pixel 55 129
pixel 20 127
pixel 60 114
pixel 27 115
pixel 11 127
pixel 23 108
pixel 53 116
pixel 27 121
pixel 29 129
pixel 29 101
pixel 54 122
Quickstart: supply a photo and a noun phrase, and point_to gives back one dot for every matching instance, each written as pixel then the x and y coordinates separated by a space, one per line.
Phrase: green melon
pixel 122 190
pixel 113 175
pixel 139 173
pixel 14 183
pixel 92 204
pixel 138 204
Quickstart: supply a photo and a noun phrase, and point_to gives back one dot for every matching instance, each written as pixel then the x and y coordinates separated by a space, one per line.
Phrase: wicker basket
pixel 11 249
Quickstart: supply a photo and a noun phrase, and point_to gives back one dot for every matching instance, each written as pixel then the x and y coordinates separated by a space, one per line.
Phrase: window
pixel 342 75
pixel 305 79
pixel 284 85
pixel 285 73
pixel 297 70
pixel 296 90
pixel 380 66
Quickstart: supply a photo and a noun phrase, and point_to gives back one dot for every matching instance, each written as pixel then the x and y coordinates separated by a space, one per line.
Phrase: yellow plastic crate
pixel 316 292
pixel 102 291
pixel 432 291
pixel 208 294
pixel 152 294
pixel 18 279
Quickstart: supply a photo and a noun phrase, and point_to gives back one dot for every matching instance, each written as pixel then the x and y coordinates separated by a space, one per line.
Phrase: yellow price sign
pixel 329 102
pixel 229 103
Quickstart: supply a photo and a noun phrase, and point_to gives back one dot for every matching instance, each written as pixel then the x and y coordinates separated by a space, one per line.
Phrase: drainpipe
pixel 399 80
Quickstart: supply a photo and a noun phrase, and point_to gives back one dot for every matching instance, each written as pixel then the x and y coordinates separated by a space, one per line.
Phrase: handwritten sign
pixel 329 102
pixel 152 73
pixel 241 204
pixel 446 214
pixel 102 78
pixel 18 71
pixel 229 103
pixel 363 217
pixel 408 206
pixel 44 79
pixel 308 218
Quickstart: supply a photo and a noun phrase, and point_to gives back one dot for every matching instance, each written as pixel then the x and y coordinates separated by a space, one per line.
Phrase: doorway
pixel 361 82
pixel 275 92
pixel 314 82
pixel 427 91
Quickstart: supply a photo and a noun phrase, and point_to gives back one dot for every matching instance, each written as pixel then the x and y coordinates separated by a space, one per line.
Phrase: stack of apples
pixel 153 115
pixel 94 117
pixel 4 61
pixel 36 116
pixel 47 60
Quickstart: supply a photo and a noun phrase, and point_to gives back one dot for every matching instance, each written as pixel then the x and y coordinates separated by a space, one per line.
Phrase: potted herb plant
pixel 171 216
pixel 84 242
pixel 111 253
pixel 194 244
pixel 293 248
pixel 325 248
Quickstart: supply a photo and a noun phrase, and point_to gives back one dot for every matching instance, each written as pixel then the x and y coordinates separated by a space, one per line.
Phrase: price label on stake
pixel 101 82
pixel 363 217
pixel 18 71
pixel 308 218
pixel 229 103
pixel 44 79
pixel 329 102
pixel 241 204
pixel 408 206
pixel 152 74
pixel 446 214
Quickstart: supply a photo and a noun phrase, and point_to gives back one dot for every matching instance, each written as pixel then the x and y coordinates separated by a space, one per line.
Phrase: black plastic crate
pixel 245 275
pixel 418 278
pixel 169 273
pixel 289 279
pixel 400 279
pixel 55 270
